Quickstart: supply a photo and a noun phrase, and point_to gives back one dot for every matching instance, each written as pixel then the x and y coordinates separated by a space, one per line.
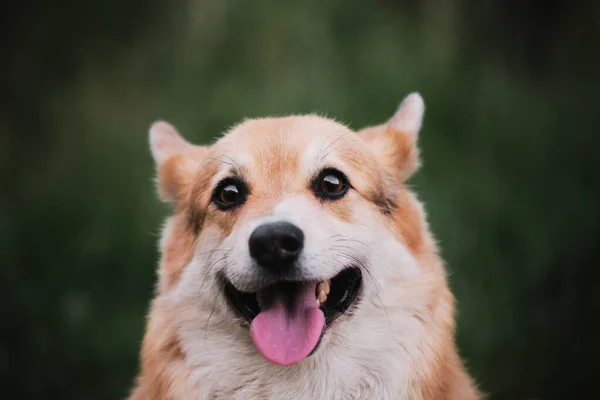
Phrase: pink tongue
pixel 286 338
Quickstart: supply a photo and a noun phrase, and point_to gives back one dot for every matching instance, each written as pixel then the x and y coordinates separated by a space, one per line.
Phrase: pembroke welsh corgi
pixel 298 265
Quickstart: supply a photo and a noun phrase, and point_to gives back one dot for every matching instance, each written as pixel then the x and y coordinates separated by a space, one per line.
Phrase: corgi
pixel 297 264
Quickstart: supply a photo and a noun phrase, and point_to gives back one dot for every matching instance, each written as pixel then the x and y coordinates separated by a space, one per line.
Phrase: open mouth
pixel 288 318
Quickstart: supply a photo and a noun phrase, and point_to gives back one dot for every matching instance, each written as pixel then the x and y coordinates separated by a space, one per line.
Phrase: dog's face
pixel 290 228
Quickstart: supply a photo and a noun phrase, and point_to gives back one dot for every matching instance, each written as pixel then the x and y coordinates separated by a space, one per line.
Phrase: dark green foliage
pixel 510 148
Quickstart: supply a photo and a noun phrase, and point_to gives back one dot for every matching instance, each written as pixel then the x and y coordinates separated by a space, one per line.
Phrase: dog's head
pixel 290 229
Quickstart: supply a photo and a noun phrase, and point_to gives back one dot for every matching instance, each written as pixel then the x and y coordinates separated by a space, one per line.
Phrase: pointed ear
pixel 395 142
pixel 177 161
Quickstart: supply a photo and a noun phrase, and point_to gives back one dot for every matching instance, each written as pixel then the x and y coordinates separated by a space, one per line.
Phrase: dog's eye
pixel 229 193
pixel 331 184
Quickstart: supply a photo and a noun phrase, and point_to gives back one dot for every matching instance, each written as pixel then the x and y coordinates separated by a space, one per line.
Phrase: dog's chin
pixel 334 297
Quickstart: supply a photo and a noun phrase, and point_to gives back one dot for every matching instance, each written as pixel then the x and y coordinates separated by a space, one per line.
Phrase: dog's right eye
pixel 331 184
pixel 229 193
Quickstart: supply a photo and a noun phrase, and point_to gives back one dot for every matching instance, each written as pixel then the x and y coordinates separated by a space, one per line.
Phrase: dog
pixel 297 264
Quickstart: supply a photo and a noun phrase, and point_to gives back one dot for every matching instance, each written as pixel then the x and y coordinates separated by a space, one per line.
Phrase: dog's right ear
pixel 177 161
pixel 395 142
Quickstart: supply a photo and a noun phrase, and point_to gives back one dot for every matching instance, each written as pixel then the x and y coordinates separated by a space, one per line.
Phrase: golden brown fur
pixel 379 160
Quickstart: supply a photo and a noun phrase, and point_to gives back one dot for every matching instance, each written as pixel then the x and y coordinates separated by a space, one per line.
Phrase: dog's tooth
pixel 326 286
pixel 323 287
pixel 322 296
pixel 318 303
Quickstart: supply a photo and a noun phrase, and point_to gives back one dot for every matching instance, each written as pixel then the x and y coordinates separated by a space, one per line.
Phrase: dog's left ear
pixel 177 161
pixel 395 142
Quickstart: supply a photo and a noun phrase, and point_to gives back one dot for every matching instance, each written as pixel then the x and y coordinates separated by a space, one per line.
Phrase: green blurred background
pixel 510 142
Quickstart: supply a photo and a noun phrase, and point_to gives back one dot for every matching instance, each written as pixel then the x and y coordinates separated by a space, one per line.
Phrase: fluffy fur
pixel 397 343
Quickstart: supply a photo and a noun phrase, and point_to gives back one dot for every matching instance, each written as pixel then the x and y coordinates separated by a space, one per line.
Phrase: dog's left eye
pixel 331 184
pixel 229 193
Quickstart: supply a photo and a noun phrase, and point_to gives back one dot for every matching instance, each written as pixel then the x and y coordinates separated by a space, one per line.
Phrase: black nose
pixel 276 245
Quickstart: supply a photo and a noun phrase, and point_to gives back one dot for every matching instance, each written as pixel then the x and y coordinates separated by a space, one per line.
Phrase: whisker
pixel 196 255
pixel 220 161
pixel 345 238
pixel 334 333
pixel 210 269
pixel 220 286
pixel 323 156
pixel 363 266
